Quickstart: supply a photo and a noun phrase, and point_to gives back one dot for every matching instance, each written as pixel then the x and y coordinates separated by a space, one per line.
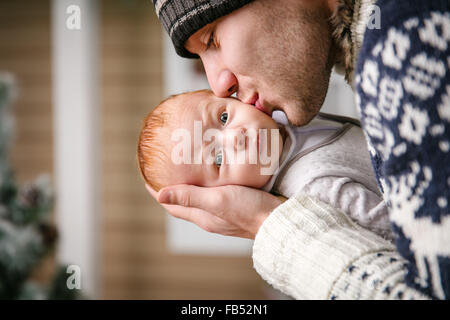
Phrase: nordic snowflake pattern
pixel 403 97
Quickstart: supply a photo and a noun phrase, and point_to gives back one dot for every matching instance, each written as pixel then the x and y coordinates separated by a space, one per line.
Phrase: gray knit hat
pixel 182 18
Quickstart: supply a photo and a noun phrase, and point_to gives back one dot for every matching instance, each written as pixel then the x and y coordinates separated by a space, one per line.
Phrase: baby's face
pixel 222 141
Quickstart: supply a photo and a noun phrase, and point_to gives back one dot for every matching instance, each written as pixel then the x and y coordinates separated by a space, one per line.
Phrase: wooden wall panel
pixel 135 262
pixel 25 52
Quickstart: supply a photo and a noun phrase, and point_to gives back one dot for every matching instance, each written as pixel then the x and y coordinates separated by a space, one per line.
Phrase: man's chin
pixel 299 118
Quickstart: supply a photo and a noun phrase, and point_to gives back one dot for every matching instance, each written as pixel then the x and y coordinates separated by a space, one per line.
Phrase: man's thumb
pixel 165 196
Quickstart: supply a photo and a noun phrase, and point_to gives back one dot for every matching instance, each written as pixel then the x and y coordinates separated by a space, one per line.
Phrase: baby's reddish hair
pixel 153 154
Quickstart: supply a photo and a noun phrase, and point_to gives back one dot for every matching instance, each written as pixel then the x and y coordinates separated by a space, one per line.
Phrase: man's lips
pixel 260 107
pixel 256 102
pixel 253 99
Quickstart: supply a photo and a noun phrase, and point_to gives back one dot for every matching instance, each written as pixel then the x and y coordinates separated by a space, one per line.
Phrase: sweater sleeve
pixel 309 250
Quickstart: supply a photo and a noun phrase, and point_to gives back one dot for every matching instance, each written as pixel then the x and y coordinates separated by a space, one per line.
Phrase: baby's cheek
pixel 187 174
pixel 249 175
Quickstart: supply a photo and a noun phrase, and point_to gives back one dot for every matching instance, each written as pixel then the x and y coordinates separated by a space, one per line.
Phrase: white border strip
pixel 77 128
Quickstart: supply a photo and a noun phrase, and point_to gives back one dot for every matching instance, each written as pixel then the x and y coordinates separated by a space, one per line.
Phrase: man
pixel 279 55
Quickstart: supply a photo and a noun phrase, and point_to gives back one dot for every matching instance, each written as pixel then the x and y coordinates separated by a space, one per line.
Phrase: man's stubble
pixel 296 57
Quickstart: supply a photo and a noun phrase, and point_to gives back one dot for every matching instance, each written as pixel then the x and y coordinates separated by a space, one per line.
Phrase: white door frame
pixel 77 147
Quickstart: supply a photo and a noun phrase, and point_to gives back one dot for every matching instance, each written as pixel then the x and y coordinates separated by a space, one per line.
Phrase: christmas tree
pixel 26 233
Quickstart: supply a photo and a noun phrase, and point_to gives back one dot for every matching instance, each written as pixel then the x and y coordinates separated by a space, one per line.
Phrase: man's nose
pixel 226 85
pixel 222 82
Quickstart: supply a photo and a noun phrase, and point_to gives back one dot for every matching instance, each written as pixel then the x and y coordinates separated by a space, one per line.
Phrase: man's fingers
pixel 206 199
pixel 203 219
pixel 180 212
pixel 240 210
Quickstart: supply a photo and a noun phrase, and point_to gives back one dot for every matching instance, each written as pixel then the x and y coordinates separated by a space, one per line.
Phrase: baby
pixel 200 139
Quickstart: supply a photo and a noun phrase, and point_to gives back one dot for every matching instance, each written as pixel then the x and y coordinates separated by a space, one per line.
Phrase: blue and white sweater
pixel 401 77
pixel 403 94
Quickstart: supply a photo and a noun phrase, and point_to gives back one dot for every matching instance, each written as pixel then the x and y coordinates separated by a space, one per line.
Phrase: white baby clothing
pixel 328 159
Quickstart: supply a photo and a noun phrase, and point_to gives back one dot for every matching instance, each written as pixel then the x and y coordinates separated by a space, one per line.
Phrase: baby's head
pixel 200 139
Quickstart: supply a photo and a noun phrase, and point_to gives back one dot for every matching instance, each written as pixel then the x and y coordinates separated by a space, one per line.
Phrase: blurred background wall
pixel 25 51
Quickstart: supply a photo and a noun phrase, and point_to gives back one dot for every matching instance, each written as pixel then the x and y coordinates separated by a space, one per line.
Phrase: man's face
pixel 273 54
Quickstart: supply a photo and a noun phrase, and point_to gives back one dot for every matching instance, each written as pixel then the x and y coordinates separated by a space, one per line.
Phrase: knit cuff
pixel 376 276
pixel 304 246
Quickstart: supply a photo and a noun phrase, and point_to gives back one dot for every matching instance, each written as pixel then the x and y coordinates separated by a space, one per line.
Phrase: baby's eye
pixel 218 160
pixel 224 117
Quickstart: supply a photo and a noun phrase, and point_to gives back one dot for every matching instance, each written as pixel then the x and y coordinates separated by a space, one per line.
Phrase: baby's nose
pixel 236 138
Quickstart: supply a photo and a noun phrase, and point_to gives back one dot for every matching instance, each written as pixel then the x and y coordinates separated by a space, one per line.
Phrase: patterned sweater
pixel 400 69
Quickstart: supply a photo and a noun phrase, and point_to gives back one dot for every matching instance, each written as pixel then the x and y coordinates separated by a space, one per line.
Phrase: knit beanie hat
pixel 182 18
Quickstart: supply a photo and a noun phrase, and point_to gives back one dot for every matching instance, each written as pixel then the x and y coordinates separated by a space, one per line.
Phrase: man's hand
pixel 228 210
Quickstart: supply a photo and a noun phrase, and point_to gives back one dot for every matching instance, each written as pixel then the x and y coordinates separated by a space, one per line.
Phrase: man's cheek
pixel 242 56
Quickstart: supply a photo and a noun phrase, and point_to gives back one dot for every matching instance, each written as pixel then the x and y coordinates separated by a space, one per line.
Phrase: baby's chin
pixel 262 181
